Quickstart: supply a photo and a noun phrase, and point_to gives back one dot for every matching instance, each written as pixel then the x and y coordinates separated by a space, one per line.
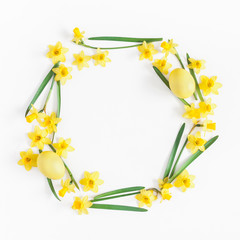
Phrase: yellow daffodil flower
pixel 62 73
pixel 197 65
pixel 63 147
pixel 163 184
pixel 28 159
pixel 184 181
pixel 49 122
pixel 91 181
pixel 147 50
pixel 196 143
pixel 169 47
pixel 162 65
pixel 66 187
pixel 56 53
pixel 81 60
pixel 34 115
pixel 166 195
pixel 78 36
pixel 145 197
pixel 206 108
pixel 209 126
pixel 81 204
pixel 101 58
pixel 192 113
pixel 209 85
pixel 39 138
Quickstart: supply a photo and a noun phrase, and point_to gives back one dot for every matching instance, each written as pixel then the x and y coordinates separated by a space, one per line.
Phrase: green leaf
pixel 125 39
pixel 165 81
pixel 68 170
pixel 58 98
pixel 174 150
pixel 71 176
pixel 108 48
pixel 192 158
pixel 121 190
pixel 195 79
pixel 40 89
pixel 58 104
pixel 115 196
pixel 52 189
pixel 118 207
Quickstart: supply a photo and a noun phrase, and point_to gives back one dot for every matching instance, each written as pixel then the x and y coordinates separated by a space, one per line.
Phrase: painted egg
pixel 181 83
pixel 50 165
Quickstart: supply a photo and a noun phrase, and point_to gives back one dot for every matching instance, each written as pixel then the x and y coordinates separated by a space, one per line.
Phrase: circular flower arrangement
pixel 181 82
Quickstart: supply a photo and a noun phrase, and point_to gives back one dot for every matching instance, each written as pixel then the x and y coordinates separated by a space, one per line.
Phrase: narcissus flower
pixel 101 58
pixel 147 50
pixel 34 115
pixel 196 143
pixel 209 126
pixel 164 183
pixel 81 205
pixel 209 85
pixel 81 60
pixel 39 138
pixel 63 147
pixel 166 195
pixel 162 65
pixel 184 181
pixel 62 73
pixel 56 53
pixel 28 159
pixel 192 113
pixel 49 122
pixel 206 108
pixel 197 65
pixel 91 181
pixel 66 187
pixel 169 47
pixel 145 197
pixel 78 36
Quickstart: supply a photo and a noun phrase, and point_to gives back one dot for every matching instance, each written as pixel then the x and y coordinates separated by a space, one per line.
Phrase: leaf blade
pixel 192 158
pixel 115 196
pixel 118 191
pixel 165 81
pixel 41 88
pixel 118 207
pixel 52 188
pixel 174 151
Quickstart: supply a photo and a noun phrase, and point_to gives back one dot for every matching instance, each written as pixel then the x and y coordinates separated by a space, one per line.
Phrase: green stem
pixel 52 188
pixel 195 79
pixel 68 170
pixel 108 48
pixel 125 39
pixel 112 197
pixel 179 59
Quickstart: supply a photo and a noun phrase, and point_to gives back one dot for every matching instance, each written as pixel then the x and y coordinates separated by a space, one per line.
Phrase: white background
pixel 122 119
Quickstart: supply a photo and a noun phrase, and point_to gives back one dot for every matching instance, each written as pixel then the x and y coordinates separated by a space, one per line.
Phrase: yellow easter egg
pixel 50 165
pixel 181 83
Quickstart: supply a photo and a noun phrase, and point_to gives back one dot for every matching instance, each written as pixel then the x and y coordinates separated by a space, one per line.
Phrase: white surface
pixel 122 119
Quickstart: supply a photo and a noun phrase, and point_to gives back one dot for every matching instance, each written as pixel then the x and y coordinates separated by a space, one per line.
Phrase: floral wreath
pixel 182 83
